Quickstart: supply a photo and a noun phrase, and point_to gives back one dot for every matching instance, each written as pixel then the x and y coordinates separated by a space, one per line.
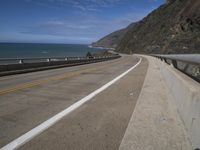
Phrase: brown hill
pixel 172 28
pixel 112 40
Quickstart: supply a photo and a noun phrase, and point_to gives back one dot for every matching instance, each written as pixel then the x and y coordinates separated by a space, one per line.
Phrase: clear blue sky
pixel 68 21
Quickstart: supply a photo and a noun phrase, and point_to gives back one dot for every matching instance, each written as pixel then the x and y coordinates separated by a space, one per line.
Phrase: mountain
pixel 112 40
pixel 172 28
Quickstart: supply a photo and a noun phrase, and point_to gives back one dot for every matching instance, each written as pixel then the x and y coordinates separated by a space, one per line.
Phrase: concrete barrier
pixel 186 93
pixel 10 69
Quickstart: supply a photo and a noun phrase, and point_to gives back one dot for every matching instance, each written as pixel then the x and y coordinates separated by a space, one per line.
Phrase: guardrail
pixel 7 61
pixel 186 63
pixel 22 65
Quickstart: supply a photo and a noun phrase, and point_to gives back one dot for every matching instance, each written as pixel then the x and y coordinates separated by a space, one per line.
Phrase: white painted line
pixel 45 125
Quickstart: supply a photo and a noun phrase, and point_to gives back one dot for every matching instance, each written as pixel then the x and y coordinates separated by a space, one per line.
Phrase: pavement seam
pixel 136 103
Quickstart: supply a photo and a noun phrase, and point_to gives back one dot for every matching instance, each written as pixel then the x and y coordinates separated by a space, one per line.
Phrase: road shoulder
pixel 155 123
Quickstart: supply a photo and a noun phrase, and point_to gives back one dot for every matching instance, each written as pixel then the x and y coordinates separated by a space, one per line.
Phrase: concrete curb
pixel 155 123
pixel 186 93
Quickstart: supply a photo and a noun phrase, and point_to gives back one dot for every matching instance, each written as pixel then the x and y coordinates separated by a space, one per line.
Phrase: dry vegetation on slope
pixel 172 28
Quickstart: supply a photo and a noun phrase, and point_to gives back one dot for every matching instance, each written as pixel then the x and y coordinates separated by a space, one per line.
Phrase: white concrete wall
pixel 186 93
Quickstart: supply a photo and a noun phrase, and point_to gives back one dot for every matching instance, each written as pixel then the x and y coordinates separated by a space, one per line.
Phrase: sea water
pixel 33 50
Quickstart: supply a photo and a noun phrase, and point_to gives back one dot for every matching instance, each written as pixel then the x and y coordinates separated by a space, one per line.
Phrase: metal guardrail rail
pixel 10 66
pixel 7 61
pixel 186 63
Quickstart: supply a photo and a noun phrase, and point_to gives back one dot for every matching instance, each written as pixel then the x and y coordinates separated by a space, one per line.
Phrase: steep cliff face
pixel 172 28
pixel 112 40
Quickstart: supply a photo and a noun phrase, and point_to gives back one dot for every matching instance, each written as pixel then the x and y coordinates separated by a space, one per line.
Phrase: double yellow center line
pixel 42 81
pixel 50 79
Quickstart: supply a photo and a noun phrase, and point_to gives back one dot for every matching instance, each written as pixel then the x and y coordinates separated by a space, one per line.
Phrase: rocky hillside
pixel 112 40
pixel 172 28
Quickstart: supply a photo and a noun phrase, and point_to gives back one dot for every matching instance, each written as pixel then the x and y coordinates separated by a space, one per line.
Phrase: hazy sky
pixel 68 21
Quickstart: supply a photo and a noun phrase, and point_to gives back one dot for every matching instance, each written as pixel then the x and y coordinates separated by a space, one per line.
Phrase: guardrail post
pixel 21 61
pixel 165 60
pixel 174 63
pixel 196 71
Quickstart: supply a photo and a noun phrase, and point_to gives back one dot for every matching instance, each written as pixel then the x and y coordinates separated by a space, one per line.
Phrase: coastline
pixel 99 47
pixel 35 50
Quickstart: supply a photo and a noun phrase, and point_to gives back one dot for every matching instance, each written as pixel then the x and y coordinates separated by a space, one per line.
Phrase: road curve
pixel 27 100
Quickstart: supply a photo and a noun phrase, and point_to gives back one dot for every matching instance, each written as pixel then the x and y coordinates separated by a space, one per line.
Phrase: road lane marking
pixel 86 65
pixel 49 79
pixel 45 125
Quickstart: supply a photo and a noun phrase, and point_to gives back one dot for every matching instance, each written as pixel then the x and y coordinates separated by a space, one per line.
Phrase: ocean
pixel 30 50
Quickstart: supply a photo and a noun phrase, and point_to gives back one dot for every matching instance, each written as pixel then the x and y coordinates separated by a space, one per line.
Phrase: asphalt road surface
pixel 27 100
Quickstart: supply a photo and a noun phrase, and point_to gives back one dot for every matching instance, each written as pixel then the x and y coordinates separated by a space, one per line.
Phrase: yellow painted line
pixel 50 79
pixel 26 137
pixel 38 82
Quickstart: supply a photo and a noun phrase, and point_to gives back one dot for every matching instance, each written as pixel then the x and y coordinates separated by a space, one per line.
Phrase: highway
pixel 28 100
